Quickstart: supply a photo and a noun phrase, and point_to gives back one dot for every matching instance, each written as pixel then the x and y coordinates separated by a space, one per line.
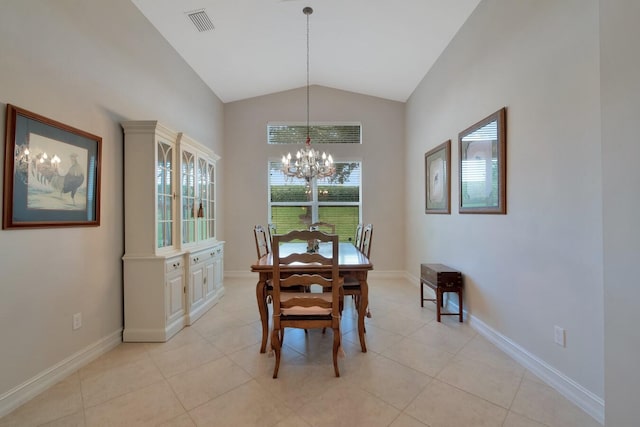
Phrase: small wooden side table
pixel 441 279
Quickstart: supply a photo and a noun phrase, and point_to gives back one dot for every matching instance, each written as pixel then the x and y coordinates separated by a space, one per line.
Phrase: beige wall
pixel 89 64
pixel 621 176
pixel 382 154
pixel 541 264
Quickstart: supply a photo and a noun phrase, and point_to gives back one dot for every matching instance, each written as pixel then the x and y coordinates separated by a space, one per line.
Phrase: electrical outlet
pixel 559 335
pixel 77 321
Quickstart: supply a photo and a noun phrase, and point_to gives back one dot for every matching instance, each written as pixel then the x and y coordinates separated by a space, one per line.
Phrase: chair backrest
pixel 367 236
pixel 358 237
pixel 271 231
pixel 323 226
pixel 322 270
pixel 262 244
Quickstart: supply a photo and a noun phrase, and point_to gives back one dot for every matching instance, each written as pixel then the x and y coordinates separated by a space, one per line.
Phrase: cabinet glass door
pixel 164 191
pixel 211 208
pixel 188 187
pixel 203 195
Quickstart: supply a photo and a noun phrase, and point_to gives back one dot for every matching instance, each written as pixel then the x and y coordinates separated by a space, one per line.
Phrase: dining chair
pixel 351 284
pixel 323 226
pixel 358 236
pixel 367 236
pixel 306 310
pixel 271 231
pixel 262 245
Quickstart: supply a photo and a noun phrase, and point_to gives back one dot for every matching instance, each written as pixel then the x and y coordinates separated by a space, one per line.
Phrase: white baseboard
pixel 580 396
pixel 574 392
pixel 36 385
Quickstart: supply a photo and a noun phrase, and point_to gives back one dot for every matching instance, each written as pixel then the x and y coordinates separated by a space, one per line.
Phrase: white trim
pixel 47 378
pixel 574 392
pixel 580 396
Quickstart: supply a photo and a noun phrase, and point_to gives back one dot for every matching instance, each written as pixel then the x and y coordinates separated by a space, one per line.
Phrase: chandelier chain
pixel 308 163
pixel 308 13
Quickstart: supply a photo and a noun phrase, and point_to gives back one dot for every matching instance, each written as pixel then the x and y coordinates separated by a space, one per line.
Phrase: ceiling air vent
pixel 201 20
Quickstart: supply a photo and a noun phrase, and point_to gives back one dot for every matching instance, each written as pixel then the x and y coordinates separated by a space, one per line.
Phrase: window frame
pixel 315 204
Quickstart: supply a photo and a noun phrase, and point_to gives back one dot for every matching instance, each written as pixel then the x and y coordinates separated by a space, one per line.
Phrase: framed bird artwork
pixel 51 173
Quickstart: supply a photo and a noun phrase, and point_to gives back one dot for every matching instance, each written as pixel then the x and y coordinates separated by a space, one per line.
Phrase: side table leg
pixel 460 304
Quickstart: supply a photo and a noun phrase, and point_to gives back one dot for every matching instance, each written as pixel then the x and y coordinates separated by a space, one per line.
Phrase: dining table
pixel 351 263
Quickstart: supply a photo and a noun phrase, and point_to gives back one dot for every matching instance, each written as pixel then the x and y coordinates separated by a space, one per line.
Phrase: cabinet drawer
pixel 174 264
pixel 203 256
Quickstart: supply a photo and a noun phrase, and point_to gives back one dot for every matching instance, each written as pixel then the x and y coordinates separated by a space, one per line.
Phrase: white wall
pixel 621 179
pixel 89 64
pixel 541 264
pixel 382 153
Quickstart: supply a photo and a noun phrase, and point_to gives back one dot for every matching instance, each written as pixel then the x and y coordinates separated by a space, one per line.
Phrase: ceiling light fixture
pixel 308 163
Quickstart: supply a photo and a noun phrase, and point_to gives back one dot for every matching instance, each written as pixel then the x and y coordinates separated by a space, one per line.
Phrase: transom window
pixel 334 133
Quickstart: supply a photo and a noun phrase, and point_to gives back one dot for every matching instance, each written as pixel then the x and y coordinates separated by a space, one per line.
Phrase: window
pixel 344 133
pixel 294 204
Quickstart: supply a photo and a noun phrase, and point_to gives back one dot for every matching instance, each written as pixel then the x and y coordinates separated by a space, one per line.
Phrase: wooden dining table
pixel 351 262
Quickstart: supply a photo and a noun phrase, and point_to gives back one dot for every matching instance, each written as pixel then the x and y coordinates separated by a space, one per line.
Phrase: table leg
pixel 261 297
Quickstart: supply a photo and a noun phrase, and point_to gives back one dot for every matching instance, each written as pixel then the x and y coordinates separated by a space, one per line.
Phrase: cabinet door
pixel 210 279
pixel 164 194
pixel 174 297
pixel 188 194
pixel 196 289
pixel 210 216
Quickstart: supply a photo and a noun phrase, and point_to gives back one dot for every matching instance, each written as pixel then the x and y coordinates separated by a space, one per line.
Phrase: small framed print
pixel 437 164
pixel 51 173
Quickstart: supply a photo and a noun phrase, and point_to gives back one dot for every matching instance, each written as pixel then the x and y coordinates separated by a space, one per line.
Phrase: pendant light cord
pixel 308 11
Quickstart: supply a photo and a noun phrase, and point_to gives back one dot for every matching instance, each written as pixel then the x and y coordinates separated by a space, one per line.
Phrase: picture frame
pixel 51 173
pixel 482 166
pixel 437 166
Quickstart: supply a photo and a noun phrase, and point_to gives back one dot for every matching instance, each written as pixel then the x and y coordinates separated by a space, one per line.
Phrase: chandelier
pixel 308 163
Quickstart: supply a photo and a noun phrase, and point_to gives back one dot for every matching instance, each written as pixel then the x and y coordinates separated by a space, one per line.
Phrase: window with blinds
pixel 344 133
pixel 294 204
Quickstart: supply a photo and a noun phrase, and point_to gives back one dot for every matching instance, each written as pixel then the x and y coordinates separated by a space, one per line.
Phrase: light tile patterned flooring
pixel 416 373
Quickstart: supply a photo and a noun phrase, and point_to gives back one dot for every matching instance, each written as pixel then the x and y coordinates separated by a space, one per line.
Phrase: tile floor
pixel 416 373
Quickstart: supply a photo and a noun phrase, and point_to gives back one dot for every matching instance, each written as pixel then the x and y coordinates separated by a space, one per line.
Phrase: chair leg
pixel 336 347
pixel 276 345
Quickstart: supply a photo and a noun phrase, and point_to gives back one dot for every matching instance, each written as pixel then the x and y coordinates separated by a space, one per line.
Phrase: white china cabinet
pixel 173 263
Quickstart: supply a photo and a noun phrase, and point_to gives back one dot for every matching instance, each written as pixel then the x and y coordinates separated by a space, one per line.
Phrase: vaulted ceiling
pixel 381 48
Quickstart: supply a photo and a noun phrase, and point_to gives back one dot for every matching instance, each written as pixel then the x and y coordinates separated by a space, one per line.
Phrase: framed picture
pixel 483 165
pixel 51 173
pixel 437 165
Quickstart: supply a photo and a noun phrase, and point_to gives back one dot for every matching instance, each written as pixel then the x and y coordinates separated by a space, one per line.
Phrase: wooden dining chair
pixel 357 241
pixel 271 231
pixel 262 244
pixel 306 310
pixel 351 284
pixel 323 226
pixel 367 237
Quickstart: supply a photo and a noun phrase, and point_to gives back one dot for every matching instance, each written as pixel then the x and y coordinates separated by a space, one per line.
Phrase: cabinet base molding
pixel 153 335
pixel 197 313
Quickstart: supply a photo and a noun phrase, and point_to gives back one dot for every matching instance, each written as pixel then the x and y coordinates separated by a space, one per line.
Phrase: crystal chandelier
pixel 308 163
